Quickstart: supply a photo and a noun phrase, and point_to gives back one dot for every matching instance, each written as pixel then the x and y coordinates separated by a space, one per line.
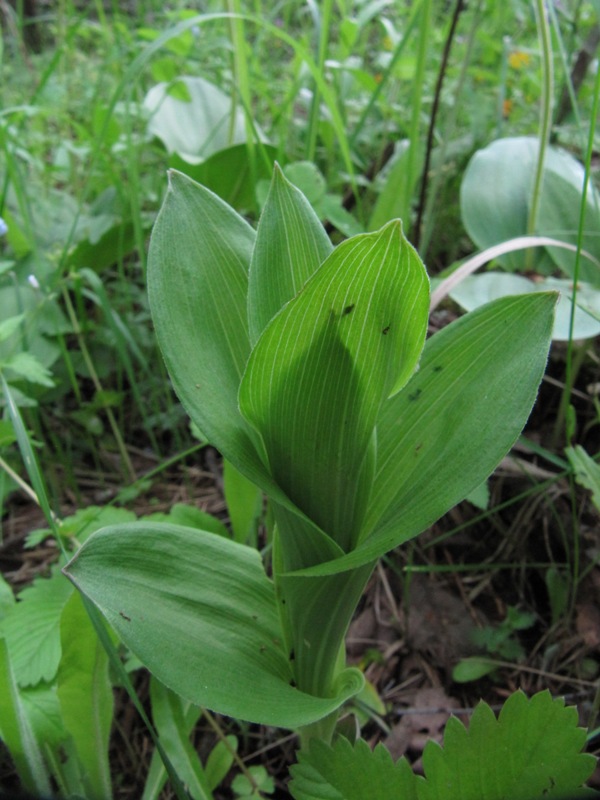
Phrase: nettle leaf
pixel 532 750
pixel 323 367
pixel 347 772
pixel 290 245
pixel 199 611
pixel 452 424
pixel 197 284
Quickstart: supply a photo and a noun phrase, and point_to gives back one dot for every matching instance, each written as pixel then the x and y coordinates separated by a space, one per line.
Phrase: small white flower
pixel 33 281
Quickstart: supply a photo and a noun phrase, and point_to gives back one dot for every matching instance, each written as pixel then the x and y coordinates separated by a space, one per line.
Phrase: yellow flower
pixel 518 59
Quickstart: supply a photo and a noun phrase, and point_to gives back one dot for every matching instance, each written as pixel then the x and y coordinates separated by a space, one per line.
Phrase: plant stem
pixel 459 7
pixel 546 106
pixel 313 123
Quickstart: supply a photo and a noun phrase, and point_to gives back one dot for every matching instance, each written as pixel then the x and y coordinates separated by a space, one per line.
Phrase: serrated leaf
pixel 322 369
pixel 290 245
pixel 10 325
pixel 32 629
pixel 27 366
pixel 532 750
pixel 210 607
pixel 347 772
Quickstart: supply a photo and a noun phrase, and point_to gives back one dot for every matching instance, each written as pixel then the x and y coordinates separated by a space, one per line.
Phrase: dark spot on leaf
pixel 293 683
pixel 438 368
pixel 348 309
pixel 276 642
pixel 262 648
pixel 292 655
pixel 418 447
pixel 125 616
pixel 415 395
pixel 255 616
pixel 386 330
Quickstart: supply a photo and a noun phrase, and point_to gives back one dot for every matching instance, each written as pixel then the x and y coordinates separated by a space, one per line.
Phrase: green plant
pixel 299 363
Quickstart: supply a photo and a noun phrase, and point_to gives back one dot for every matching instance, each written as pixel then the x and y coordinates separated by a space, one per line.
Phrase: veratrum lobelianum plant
pixel 307 367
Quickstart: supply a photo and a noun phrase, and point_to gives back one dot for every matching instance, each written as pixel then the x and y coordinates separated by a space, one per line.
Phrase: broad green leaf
pixel 495 201
pixel 350 772
pixel 200 613
pixel 197 284
pixel 587 471
pixel 198 127
pixel 290 245
pixel 532 750
pixel 323 367
pixel 170 718
pixel 32 629
pixel 16 732
pixel 455 420
pixel 476 290
pixel 85 695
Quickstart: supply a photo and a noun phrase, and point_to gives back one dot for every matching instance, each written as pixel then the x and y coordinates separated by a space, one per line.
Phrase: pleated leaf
pixel 198 263
pixel 291 243
pixel 456 419
pixel 200 613
pixel 323 367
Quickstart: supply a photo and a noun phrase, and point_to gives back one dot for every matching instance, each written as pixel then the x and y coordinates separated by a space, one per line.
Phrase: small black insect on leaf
pixel 348 309
pixel 415 395
pixel 125 616
pixel 438 368
pixel 386 330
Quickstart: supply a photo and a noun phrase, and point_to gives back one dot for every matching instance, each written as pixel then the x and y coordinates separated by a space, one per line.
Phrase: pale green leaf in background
pixel 198 125
pixel 476 290
pixel 495 200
